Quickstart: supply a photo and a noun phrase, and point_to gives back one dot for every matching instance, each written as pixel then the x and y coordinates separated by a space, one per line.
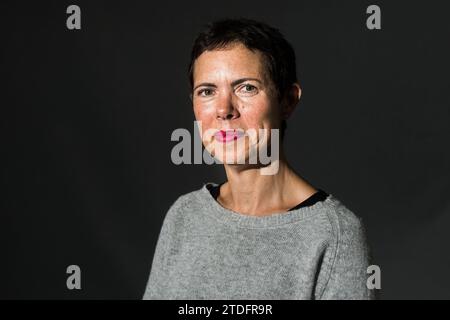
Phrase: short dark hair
pixel 254 35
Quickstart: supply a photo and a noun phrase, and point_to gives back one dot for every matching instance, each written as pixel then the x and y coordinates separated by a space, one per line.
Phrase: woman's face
pixel 232 96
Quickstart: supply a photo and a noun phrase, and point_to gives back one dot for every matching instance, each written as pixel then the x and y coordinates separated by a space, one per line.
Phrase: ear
pixel 291 100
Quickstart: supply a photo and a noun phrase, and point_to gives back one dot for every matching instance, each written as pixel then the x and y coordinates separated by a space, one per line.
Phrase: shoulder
pixel 334 223
pixel 187 203
pixel 346 262
pixel 189 198
pixel 344 222
pixel 349 247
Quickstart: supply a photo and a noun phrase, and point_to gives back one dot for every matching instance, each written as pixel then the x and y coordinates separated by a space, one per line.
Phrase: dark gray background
pixel 87 117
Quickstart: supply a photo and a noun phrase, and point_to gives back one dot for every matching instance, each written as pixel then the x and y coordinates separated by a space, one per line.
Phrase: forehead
pixel 231 63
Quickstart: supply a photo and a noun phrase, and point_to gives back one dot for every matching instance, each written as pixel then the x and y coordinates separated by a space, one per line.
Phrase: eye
pixel 249 87
pixel 206 92
pixel 248 90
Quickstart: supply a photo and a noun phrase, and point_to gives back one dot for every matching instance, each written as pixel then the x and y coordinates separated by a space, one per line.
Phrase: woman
pixel 255 236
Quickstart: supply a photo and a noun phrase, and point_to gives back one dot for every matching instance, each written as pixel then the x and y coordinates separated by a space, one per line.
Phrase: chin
pixel 230 157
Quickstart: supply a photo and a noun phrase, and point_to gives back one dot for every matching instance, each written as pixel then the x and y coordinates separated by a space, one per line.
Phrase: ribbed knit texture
pixel 205 251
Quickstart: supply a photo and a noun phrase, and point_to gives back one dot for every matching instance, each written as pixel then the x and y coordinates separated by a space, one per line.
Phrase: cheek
pixel 260 114
pixel 206 118
pixel 202 113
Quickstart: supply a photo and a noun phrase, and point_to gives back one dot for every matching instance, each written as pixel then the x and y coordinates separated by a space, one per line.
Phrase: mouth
pixel 225 136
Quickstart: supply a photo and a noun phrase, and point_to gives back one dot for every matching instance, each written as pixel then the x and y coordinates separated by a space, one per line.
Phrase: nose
pixel 226 108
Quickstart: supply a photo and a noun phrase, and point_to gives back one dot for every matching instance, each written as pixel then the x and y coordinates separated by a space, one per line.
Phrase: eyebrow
pixel 234 83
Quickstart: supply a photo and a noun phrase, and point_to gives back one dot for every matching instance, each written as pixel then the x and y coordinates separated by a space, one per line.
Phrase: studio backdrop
pixel 89 106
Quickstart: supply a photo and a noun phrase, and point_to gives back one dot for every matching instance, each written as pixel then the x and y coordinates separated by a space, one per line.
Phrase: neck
pixel 249 192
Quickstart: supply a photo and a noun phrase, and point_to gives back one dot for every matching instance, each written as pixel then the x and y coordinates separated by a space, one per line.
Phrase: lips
pixel 228 135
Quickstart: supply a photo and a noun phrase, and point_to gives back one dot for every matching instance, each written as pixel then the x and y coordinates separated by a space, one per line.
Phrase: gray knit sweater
pixel 205 251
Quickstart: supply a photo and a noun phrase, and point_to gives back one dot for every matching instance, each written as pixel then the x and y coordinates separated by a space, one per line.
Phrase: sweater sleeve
pixel 158 274
pixel 347 278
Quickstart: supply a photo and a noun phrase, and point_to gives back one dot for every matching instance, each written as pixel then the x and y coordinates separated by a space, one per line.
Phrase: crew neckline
pixel 227 216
